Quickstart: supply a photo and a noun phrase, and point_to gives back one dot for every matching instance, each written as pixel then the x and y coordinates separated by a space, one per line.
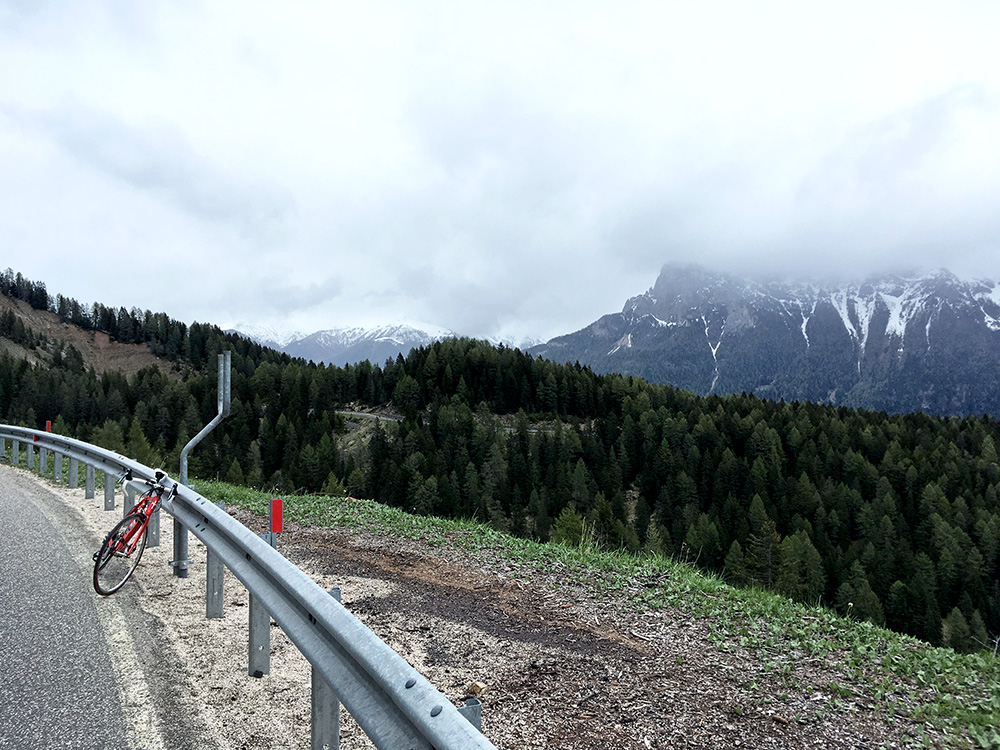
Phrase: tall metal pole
pixel 224 399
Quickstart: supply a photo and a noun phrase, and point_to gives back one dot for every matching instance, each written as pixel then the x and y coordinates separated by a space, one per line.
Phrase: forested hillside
pixel 890 518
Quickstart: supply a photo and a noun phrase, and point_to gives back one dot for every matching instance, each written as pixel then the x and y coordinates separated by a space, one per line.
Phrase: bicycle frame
pixel 147 506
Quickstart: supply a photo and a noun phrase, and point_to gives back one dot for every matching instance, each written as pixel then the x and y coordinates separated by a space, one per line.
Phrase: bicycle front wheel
pixel 120 553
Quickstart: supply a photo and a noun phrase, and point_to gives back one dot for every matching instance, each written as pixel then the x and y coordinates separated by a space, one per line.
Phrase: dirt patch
pixel 97 349
pixel 566 667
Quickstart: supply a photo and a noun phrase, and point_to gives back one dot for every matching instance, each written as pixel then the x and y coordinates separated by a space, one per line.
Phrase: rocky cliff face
pixel 928 343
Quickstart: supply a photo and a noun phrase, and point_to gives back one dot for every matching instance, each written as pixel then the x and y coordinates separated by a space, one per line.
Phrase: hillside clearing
pixel 96 348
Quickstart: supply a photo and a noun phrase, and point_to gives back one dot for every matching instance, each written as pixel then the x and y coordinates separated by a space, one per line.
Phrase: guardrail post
pixel 72 478
pixel 89 483
pixel 260 626
pixel 325 708
pixel 109 492
pixel 153 535
pixel 181 558
pixel 43 460
pixel 473 711
pixel 3 449
pixel 57 466
pixel 259 638
pixel 15 457
pixel 31 455
pixel 215 579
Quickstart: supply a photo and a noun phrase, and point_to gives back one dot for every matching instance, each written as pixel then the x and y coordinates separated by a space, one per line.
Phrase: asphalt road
pixel 77 670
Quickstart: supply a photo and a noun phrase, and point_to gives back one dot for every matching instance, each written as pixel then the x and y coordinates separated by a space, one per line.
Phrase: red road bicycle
pixel 122 549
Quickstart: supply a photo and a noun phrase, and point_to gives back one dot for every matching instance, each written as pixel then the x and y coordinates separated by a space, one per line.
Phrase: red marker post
pixel 276 515
pixel 277 523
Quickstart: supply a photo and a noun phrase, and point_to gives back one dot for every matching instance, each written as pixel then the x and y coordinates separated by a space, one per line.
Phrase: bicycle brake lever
pixel 170 495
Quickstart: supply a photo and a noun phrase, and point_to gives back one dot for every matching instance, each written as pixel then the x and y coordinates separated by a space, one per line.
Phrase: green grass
pixel 901 677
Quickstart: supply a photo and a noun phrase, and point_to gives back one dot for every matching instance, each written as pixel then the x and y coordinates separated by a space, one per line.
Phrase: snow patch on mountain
pixel 989 303
pixel 839 302
pixel 865 308
pixel 266 335
pixel 897 322
pixel 715 350
pixel 625 342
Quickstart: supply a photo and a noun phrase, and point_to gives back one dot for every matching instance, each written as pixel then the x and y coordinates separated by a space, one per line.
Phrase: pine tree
pixel 357 485
pixel 425 495
pixel 655 544
pixel 800 574
pixel 855 597
pixel 333 486
pixel 568 527
pixel 763 554
pixel 736 568
pixel 607 529
pixel 980 639
pixel 955 632
pixel 109 435
pixel 235 473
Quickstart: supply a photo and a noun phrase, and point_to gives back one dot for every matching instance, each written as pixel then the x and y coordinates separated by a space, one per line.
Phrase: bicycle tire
pixel 113 568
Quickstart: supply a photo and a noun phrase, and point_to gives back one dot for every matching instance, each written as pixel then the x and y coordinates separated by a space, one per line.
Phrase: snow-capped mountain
pixel 899 343
pixel 268 336
pixel 343 345
pixel 338 346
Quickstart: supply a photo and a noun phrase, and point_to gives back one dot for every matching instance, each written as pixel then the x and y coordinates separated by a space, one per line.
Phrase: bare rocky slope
pixel 97 349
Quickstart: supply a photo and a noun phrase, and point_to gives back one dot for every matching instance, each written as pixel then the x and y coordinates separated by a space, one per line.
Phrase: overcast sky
pixel 496 168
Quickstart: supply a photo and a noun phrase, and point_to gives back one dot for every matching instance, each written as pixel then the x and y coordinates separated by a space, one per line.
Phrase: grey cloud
pixel 256 297
pixel 881 158
pixel 59 26
pixel 159 160
pixel 295 297
pixel 502 147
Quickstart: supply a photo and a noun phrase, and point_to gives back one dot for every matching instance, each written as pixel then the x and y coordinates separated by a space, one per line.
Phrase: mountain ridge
pixel 895 342
pixel 358 343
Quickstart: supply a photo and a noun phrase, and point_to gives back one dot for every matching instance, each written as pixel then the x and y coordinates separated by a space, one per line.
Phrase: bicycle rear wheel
pixel 120 554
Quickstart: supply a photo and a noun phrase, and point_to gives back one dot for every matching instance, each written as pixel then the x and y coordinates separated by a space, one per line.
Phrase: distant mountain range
pixel 926 342
pixel 339 346
pixel 896 343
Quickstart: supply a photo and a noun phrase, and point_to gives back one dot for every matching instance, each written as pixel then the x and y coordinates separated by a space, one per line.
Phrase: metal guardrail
pixel 395 705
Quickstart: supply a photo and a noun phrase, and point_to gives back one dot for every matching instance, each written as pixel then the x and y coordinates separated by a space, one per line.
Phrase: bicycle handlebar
pixel 157 483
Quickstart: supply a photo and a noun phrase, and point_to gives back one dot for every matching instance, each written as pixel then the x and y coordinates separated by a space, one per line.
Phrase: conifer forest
pixel 890 518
